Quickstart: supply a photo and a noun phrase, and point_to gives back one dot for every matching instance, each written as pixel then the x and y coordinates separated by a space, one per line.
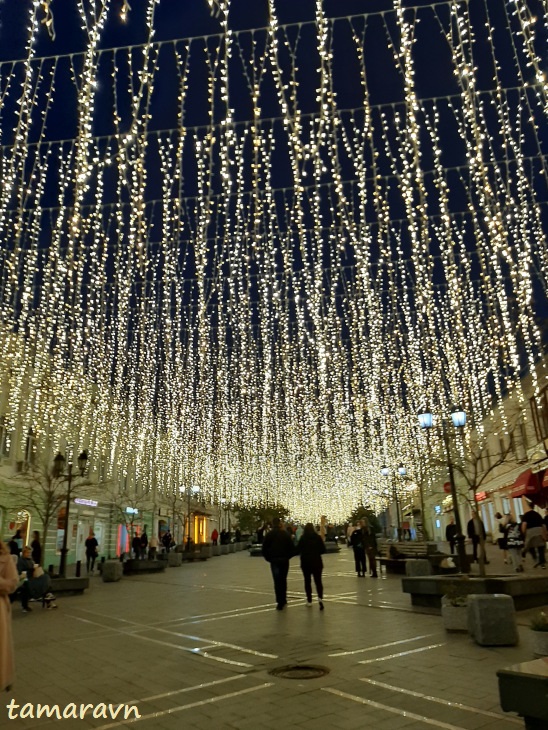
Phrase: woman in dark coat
pixel 311 548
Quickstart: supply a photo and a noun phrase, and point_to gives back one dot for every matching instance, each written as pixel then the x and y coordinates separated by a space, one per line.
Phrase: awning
pixel 527 483
pixel 545 479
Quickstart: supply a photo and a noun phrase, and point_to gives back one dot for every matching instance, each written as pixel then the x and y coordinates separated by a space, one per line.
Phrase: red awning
pixel 527 483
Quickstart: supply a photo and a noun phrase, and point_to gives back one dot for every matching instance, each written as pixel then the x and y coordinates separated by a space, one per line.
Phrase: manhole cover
pixel 300 671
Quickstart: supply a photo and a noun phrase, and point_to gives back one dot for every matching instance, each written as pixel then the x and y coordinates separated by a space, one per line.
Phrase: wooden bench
pixel 410 551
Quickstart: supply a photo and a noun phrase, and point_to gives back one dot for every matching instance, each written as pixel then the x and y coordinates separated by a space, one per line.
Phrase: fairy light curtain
pixel 245 260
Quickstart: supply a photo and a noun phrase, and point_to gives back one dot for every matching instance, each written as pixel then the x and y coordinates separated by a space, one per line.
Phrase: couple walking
pixel 278 549
pixel 364 543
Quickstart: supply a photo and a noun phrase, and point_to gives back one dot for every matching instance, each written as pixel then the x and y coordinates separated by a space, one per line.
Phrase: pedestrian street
pixel 193 647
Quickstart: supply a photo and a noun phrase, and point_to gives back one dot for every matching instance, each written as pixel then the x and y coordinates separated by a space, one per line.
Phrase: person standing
pixel 370 545
pixel 136 546
pixel 451 535
pixel 514 544
pixel 311 547
pixel 8 584
pixel 214 536
pixel 476 532
pixel 166 541
pixel 92 547
pixel 36 548
pixel 501 539
pixel 277 550
pixel 357 540
pixel 534 533
pixel 152 547
pixel 144 544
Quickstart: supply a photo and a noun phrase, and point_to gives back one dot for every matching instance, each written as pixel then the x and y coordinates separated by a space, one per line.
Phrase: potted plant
pixel 539 628
pixel 454 610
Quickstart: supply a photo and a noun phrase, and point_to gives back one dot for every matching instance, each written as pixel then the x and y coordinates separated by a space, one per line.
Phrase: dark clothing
pixel 25 565
pixel 473 534
pixel 451 536
pixel 358 542
pixel 91 553
pixel 166 541
pixel 311 547
pixel 533 519
pixel 278 550
pixel 14 547
pixel 36 551
pixel 136 545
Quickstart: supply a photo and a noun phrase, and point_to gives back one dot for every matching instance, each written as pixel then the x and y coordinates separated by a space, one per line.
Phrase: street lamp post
pixel 458 418
pixel 58 466
pixel 385 471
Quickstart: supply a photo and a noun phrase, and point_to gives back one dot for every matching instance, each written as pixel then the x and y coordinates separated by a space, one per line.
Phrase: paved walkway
pixel 192 648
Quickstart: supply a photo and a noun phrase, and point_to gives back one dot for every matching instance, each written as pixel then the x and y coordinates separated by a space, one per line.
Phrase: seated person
pixel 36 583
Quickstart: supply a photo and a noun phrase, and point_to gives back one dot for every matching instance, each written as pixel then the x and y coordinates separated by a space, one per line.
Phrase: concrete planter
pixel 231 547
pixel 174 560
pixel 69 586
pixel 525 591
pixel 215 550
pixel 492 620
pixel 136 567
pixel 418 567
pixel 540 643
pixel 206 551
pixel 112 571
pixel 455 618
pixel 224 549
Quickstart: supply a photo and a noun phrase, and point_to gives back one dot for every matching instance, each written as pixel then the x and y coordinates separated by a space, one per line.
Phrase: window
pixel 5 441
pixel 539 411
pixel 30 447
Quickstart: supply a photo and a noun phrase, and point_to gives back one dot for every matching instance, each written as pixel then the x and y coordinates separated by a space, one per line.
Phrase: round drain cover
pixel 300 671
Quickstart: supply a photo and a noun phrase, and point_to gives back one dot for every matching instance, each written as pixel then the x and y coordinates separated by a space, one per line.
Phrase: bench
pixel 523 688
pixel 136 567
pixel 411 551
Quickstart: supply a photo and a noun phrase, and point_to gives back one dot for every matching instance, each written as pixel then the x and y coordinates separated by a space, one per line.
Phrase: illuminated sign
pixel 437 509
pixel 480 496
pixel 86 502
pixel 131 511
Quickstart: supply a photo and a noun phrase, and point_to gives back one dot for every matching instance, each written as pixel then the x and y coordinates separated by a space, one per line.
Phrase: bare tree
pixel 477 466
pixel 40 490
pixel 129 505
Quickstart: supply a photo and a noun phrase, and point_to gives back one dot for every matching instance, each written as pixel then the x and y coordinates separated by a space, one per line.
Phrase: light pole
pixel 458 418
pixel 191 490
pixel 385 471
pixel 57 473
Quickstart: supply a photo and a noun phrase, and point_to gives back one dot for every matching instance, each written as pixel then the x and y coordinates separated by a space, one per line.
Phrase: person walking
pixel 8 584
pixel 311 547
pixel 501 539
pixel 370 545
pixel 357 540
pixel 92 548
pixel 534 533
pixel 514 544
pixel 476 532
pixel 277 550
pixel 36 548
pixel 451 535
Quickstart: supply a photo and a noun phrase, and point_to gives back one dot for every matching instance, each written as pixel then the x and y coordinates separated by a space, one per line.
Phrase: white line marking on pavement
pixel 171 711
pixel 381 646
pixel 191 650
pixel 203 685
pixel 403 653
pixel 395 710
pixel 439 700
pixel 208 615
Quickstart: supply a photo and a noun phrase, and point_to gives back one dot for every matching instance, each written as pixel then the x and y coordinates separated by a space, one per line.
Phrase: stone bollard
pixel 174 559
pixel 492 619
pixel 112 571
pixel 418 567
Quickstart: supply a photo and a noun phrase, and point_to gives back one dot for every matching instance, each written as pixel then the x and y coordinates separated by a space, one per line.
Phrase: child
pixel 514 543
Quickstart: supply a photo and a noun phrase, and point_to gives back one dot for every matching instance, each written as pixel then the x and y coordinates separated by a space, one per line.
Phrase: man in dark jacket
pixel 278 550
pixel 451 535
pixel 476 532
